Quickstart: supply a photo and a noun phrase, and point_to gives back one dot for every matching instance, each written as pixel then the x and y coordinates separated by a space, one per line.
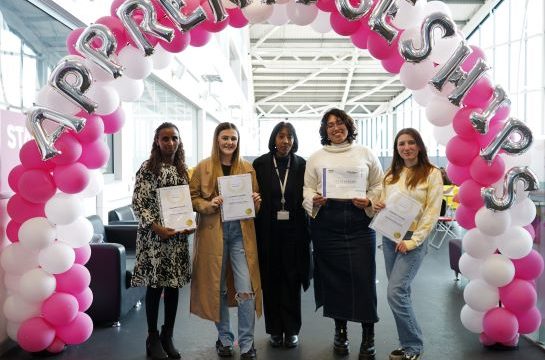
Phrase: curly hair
pixel 347 121
pixel 155 159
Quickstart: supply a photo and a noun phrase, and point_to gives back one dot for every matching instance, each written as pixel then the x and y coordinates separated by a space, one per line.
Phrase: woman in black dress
pixel 282 235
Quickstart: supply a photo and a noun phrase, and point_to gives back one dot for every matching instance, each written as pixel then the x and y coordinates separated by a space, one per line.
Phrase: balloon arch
pixel 47 281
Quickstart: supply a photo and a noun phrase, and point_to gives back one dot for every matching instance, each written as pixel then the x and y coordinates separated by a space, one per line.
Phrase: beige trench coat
pixel 208 247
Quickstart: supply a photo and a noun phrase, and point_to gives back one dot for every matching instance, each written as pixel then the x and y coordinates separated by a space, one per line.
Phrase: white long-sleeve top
pixel 343 155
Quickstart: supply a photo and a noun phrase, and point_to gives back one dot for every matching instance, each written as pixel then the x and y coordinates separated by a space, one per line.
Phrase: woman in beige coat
pixel 225 265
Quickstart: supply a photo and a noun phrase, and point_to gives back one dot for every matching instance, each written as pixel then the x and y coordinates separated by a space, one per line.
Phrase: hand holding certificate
pixel 236 191
pixel 396 218
pixel 344 183
pixel 176 208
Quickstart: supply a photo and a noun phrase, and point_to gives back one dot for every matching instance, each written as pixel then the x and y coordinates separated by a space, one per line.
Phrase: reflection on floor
pixel 438 300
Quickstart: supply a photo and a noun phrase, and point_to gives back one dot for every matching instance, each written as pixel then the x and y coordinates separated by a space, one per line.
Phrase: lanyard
pixel 282 183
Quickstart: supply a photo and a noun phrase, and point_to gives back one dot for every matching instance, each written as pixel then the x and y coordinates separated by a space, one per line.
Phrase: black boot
pixel 367 347
pixel 340 341
pixel 168 346
pixel 154 349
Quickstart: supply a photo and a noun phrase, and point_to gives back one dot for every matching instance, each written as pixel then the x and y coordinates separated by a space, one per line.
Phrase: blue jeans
pixel 233 249
pixel 401 270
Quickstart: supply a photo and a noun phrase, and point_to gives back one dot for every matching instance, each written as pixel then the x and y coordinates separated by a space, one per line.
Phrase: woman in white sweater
pixel 344 245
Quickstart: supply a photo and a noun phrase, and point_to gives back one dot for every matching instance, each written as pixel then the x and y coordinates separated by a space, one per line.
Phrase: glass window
pixel 501 65
pixel 534 63
pixel 501 18
pixel 534 17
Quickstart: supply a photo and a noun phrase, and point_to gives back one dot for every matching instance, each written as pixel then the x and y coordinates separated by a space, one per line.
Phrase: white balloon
pixel 95 185
pixel 472 319
pixel 77 233
pixel 11 282
pixel 17 309
pixel 98 73
pixel 12 328
pixel 444 48
pixel 302 14
pixel 105 96
pixel 228 4
pixel 408 15
pixel 478 245
pixel 36 233
pixel 17 259
pixel 522 212
pixel 137 65
pixel 279 15
pixel 520 193
pixel 257 12
pixel 416 75
pixel 423 96
pixel 161 58
pixel 440 111
pixel 436 6
pixel 498 270
pixel 443 134
pixel 470 267
pixel 37 285
pixel 128 89
pixel 51 98
pixel 515 242
pixel 481 296
pixel 492 223
pixel 321 24
pixel 63 208
pixel 57 258
pixel 412 35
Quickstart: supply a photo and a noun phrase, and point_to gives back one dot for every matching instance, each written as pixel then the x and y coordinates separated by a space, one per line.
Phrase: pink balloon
pixel 31 158
pixel 71 179
pixel 393 63
pixel 60 309
pixel 460 151
pixel 36 186
pixel 529 321
pixel 513 342
pixel 494 128
pixel 359 38
pixel 85 299
pixel 326 5
pixel 519 296
pixel 93 130
pixel 487 174
pixel 114 122
pixel 500 324
pixel 117 28
pixel 486 340
pixel 199 37
pixel 180 40
pixel 462 123
pixel 531 230
pixel 73 281
pixel 35 334
pixel 480 94
pixel 83 254
pixel 237 18
pixel 379 48
pixel 12 231
pixel 71 40
pixel 95 155
pixel 210 24
pixel 458 174
pixel 529 267
pixel 69 148
pixel 476 54
pixel 57 346
pixel 470 194
pixel 465 216
pixel 14 175
pixel 78 331
pixel 20 210
pixel 342 25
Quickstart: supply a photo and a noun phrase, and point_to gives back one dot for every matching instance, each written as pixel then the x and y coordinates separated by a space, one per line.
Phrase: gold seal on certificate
pixel 236 191
pixel 396 218
pixel 176 208
pixel 344 183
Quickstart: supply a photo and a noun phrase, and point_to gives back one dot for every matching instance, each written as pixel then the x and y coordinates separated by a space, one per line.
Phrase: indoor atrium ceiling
pixel 298 72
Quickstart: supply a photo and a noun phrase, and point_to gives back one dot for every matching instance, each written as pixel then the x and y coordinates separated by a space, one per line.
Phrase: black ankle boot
pixel 340 341
pixel 154 349
pixel 367 347
pixel 168 346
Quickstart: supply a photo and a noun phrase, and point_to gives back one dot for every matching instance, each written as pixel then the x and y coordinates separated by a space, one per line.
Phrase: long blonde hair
pixel 216 152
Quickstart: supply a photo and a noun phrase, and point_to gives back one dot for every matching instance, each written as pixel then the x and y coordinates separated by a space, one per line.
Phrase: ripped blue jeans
pixel 233 249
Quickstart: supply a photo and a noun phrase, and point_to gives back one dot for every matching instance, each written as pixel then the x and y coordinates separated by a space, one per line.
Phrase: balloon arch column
pixel 47 281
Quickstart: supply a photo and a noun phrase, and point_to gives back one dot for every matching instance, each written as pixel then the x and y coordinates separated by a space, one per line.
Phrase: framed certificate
pixel 236 191
pixel 396 218
pixel 344 183
pixel 176 208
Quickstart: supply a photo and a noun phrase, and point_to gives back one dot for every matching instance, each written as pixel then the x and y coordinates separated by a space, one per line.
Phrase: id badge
pixel 282 215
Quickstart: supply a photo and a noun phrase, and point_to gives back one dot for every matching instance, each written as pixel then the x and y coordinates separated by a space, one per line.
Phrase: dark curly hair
pixel 345 118
pixel 155 159
pixel 291 130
